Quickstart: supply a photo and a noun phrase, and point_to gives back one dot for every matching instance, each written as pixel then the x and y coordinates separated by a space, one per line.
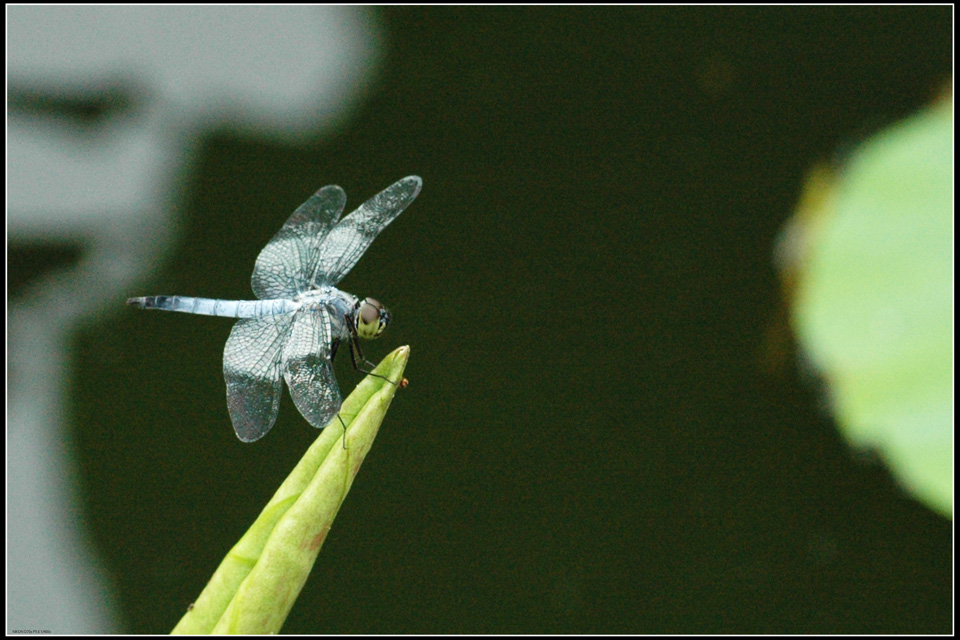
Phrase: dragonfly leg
pixel 357 356
pixel 344 425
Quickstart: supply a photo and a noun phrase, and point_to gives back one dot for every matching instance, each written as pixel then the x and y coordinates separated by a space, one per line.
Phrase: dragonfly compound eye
pixel 372 319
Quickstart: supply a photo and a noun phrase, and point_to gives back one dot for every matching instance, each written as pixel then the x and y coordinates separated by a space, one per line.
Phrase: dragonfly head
pixel 370 318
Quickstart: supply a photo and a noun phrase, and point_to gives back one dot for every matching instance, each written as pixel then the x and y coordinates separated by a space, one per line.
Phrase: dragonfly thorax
pixel 322 294
pixel 368 317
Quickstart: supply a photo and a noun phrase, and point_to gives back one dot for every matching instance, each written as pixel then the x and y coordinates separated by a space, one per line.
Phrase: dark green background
pixel 590 441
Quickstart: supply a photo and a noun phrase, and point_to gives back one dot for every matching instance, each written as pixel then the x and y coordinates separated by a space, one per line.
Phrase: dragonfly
pixel 294 328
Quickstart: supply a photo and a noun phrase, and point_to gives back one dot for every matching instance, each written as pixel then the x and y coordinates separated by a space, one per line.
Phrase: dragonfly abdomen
pixel 213 307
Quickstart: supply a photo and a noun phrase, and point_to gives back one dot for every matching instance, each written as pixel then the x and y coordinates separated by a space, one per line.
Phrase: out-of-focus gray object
pixel 104 106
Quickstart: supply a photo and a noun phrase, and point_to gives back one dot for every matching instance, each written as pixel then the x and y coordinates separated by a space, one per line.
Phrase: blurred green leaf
pixel 874 301
pixel 258 581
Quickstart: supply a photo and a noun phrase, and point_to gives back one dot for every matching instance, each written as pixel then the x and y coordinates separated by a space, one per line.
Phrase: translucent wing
pixel 308 367
pixel 344 245
pixel 288 264
pixel 252 369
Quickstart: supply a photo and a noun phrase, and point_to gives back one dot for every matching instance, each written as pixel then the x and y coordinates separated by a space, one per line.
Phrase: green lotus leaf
pixel 874 301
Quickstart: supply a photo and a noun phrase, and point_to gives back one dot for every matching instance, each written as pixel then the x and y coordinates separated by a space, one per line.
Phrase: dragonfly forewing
pixel 308 367
pixel 347 242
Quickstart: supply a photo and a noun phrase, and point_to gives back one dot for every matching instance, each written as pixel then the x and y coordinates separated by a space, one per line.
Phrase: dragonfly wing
pixel 252 370
pixel 288 264
pixel 347 241
pixel 308 366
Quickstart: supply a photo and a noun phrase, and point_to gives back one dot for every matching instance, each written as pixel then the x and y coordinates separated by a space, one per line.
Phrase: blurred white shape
pixel 286 73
